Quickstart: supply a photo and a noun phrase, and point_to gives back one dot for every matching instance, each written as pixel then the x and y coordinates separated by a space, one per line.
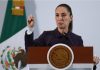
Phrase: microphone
pixel 65 35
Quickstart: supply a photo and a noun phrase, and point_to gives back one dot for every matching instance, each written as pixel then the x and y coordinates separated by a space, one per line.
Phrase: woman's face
pixel 63 17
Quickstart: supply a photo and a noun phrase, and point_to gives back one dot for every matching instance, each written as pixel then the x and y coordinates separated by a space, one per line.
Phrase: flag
pixel 12 32
pixel 12 23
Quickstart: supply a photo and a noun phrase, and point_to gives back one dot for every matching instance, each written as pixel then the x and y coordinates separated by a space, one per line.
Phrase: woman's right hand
pixel 30 21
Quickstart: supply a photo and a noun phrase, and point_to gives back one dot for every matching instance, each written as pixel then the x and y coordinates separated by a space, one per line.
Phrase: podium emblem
pixel 60 56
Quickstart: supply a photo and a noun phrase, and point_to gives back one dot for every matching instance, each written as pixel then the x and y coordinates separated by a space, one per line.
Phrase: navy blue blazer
pixel 49 38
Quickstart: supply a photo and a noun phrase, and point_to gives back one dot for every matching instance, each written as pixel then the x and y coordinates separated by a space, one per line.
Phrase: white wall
pixel 3 4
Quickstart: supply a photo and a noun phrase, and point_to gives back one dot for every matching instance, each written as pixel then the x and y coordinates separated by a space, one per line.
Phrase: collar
pixel 58 34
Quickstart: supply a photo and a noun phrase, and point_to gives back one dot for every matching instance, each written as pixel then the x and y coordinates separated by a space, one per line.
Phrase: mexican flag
pixel 12 29
pixel 12 32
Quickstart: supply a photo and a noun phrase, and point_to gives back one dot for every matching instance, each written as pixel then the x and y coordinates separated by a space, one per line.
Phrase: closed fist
pixel 30 21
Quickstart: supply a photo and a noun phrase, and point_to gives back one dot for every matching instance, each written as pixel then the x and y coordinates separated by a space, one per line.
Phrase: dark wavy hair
pixel 69 9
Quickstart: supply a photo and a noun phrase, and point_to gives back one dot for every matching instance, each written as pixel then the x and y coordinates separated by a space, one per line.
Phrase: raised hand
pixel 30 21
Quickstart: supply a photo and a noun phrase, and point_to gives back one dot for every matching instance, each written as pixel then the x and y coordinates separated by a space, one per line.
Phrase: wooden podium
pixel 83 57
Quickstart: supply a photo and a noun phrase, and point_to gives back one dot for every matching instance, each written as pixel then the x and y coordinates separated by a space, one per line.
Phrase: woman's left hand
pixel 96 60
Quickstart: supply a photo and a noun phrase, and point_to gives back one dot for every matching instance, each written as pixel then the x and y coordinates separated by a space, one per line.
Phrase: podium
pixel 37 58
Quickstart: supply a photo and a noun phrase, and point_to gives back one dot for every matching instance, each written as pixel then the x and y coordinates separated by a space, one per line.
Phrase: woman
pixel 62 34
